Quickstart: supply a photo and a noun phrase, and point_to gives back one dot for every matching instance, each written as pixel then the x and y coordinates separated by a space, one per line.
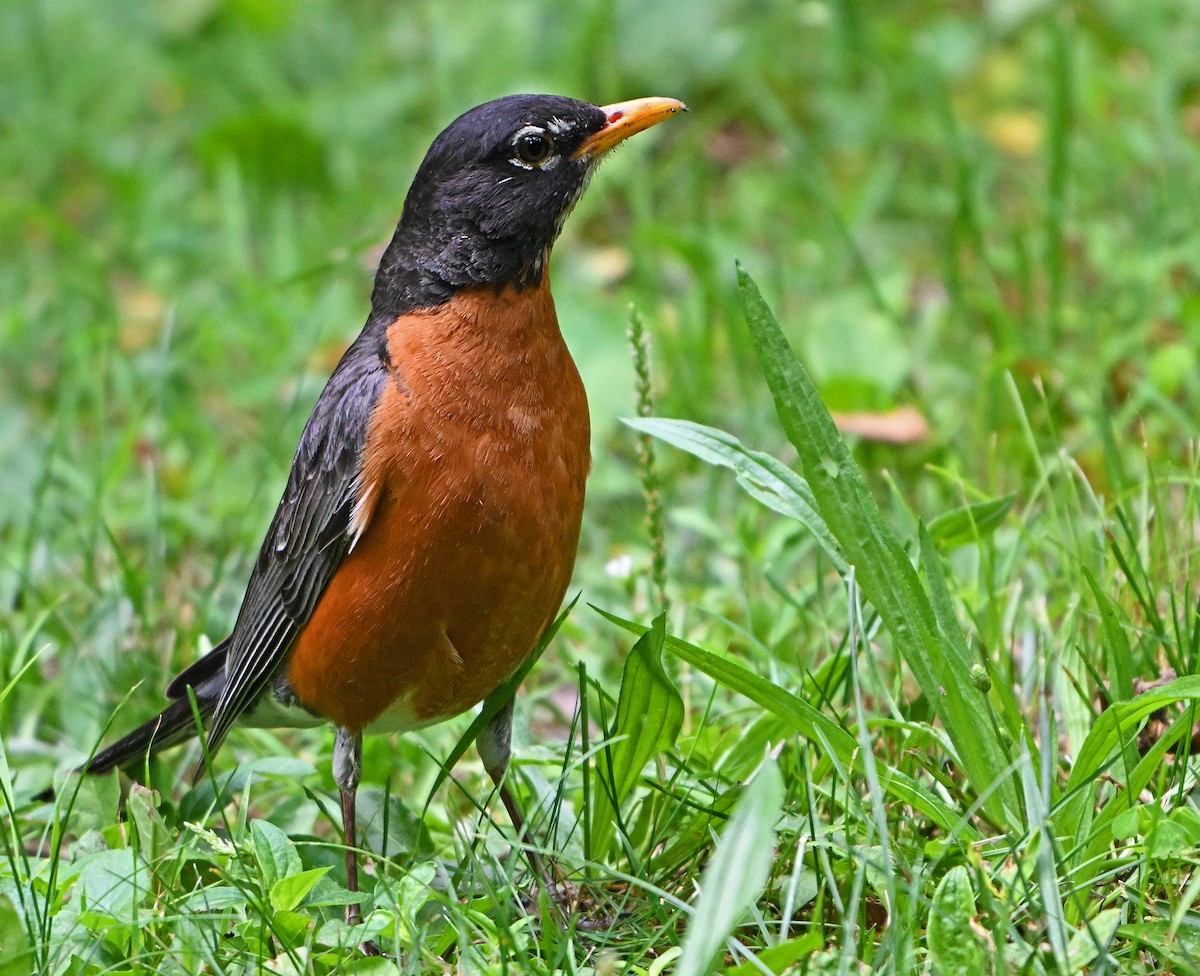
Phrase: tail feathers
pixel 206 671
pixel 173 725
pixel 177 722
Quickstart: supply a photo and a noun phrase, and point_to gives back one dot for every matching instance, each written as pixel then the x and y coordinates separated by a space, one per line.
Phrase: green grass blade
pixel 810 724
pixel 885 574
pixel 1116 644
pixel 1113 729
pixel 1114 725
pixel 1095 834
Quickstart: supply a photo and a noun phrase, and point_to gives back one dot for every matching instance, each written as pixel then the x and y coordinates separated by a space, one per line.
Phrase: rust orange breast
pixel 472 495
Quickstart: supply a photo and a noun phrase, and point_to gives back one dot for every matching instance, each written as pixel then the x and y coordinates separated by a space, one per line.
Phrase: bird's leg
pixel 347 769
pixel 495 748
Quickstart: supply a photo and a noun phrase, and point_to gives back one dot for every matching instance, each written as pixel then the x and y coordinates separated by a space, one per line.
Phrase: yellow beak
pixel 626 119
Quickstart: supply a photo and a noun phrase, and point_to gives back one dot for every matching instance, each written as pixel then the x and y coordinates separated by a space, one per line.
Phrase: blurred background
pixel 985 216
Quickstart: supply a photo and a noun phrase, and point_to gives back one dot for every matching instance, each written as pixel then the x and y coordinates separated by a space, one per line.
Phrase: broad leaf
pixel 736 875
pixel 954 948
pixel 649 715
pixel 287 893
pixel 274 851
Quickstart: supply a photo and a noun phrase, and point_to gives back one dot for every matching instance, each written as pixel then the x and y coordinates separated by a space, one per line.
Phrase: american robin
pixel 429 525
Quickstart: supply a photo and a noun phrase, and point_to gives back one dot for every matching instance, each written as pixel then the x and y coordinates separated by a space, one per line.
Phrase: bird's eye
pixel 533 146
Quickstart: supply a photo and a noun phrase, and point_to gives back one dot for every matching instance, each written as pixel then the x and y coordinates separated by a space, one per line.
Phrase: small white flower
pixel 621 567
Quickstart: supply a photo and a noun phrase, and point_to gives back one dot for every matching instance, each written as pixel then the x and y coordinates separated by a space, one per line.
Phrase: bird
pixel 428 528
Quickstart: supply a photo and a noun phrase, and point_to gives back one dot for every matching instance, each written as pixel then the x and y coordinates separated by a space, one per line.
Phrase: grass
pixel 910 708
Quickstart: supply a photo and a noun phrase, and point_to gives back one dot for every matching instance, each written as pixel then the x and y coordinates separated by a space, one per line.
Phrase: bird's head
pixel 492 193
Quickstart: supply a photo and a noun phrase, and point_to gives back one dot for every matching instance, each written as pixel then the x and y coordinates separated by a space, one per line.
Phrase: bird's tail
pixel 177 722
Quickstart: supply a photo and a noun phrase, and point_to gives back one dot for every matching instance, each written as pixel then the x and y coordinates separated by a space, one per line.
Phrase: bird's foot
pixel 580 905
pixel 354 917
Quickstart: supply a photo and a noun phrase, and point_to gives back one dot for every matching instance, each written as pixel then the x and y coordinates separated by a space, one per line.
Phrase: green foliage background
pixel 985 214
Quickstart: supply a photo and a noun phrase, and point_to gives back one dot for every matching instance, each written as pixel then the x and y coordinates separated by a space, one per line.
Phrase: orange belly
pixel 474 471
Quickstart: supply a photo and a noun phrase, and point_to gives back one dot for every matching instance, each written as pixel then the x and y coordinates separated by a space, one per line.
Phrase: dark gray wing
pixel 309 535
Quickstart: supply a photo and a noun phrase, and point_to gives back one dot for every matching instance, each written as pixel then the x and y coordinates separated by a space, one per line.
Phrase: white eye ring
pixel 532 147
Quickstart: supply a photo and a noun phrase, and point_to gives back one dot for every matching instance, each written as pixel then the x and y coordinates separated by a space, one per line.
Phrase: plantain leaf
pixel 765 478
pixel 153 837
pixel 954 948
pixel 736 875
pixel 966 526
pixel 882 567
pixel 648 719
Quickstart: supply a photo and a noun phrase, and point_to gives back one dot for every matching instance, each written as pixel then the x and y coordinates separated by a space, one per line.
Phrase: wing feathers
pixel 319 517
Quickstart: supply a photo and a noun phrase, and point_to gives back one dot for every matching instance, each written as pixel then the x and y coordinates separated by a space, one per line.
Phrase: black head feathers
pixel 491 195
